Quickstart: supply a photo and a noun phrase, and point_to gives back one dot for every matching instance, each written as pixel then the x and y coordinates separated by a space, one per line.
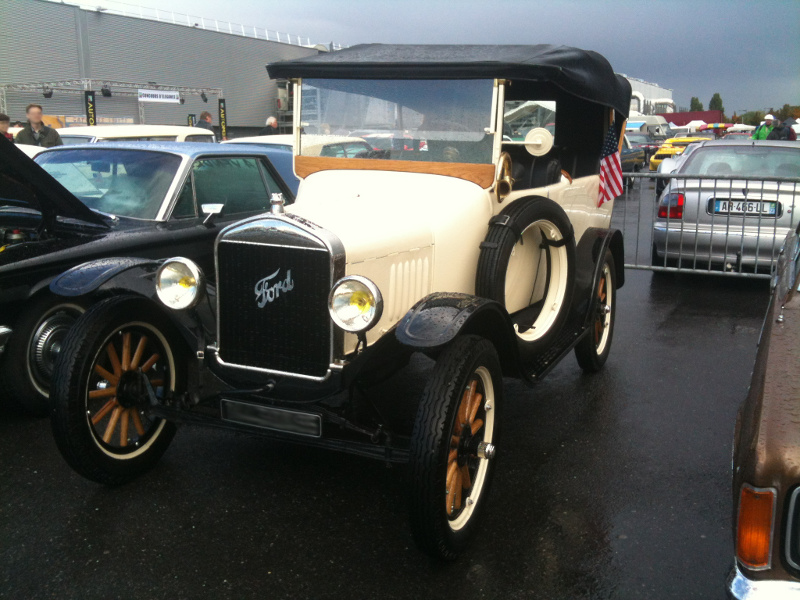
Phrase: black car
pixel 645 142
pixel 81 203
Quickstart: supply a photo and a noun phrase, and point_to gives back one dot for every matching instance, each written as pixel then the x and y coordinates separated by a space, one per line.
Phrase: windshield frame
pixel 482 174
pixel 165 201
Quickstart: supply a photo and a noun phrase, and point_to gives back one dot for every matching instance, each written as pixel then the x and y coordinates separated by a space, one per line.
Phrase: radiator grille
pixel 291 330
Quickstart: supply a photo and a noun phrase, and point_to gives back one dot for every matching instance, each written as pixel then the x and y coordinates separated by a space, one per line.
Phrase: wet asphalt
pixel 612 486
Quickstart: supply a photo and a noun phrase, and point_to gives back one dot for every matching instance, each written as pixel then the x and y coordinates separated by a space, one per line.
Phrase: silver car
pixel 729 206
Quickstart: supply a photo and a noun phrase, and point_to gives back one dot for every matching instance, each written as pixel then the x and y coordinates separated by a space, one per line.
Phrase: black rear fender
pixel 436 320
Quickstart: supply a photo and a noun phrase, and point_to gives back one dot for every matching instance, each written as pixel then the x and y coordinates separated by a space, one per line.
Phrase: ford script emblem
pixel 267 290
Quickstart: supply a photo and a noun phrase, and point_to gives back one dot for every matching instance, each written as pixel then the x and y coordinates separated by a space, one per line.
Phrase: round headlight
pixel 179 283
pixel 355 303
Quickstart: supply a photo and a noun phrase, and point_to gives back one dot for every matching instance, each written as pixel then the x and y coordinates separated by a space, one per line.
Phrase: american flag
pixel 610 169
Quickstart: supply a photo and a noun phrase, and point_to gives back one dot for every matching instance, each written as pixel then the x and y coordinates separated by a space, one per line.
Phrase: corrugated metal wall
pixel 70 43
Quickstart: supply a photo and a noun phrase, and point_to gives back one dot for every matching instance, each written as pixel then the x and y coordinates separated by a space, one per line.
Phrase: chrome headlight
pixel 180 283
pixel 355 304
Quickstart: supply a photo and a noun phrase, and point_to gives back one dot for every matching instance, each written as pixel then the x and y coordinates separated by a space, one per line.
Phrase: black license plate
pixel 268 417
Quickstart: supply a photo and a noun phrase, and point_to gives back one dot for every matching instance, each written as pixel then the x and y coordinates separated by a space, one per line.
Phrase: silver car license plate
pixel 745 207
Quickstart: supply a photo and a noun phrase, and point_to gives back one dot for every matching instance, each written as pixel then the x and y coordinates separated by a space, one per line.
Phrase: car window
pixel 209 139
pixel 70 140
pixel 353 149
pixel 750 161
pixel 333 150
pixel 140 138
pixel 185 206
pixel 520 116
pixel 127 183
pixel 236 182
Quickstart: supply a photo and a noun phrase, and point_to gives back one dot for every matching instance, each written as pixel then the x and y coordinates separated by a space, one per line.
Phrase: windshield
pixel 433 121
pixel 748 161
pixel 127 183
pixel 638 138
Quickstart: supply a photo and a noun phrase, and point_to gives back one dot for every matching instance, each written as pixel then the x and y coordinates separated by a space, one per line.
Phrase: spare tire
pixel 527 263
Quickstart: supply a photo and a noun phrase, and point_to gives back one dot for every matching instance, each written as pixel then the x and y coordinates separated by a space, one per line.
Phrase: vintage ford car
pixel 492 257
pixel 81 203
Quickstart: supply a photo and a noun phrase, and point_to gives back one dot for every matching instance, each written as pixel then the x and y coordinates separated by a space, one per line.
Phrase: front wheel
pixel 453 445
pixel 592 351
pixel 120 356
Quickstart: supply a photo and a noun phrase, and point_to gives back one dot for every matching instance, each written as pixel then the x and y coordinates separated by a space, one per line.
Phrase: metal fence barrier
pixel 725 225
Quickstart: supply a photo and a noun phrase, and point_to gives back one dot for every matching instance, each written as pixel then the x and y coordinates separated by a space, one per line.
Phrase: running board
pixel 572 333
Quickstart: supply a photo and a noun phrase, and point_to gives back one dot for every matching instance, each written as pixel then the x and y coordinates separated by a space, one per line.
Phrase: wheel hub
pixel 46 343
pixel 132 390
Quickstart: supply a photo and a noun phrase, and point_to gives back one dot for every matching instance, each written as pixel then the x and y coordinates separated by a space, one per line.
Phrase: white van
pixel 133 133
pixel 655 125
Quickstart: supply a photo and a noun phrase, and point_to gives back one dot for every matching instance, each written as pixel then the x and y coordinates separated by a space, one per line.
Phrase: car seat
pixel 787 170
pixel 719 168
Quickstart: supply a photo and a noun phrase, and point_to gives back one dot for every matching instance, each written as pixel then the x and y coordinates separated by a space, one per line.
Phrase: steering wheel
pixel 502 176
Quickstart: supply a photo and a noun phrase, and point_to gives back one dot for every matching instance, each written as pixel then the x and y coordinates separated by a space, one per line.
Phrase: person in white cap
pixel 763 130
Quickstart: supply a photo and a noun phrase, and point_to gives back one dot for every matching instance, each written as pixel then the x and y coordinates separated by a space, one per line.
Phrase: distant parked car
pixel 631 159
pixel 672 147
pixel 728 223
pixel 30 150
pixel 88 202
pixel 132 133
pixel 316 145
pixel 645 142
pixel 766 452
pixel 671 164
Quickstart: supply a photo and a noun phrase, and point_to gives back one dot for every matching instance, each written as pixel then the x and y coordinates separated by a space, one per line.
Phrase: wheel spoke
pixel 123 428
pixel 466 402
pixel 137 421
pixel 104 393
pixel 112 424
pixel 112 355
pixel 98 416
pixel 451 495
pixel 466 480
pixel 451 472
pixel 126 351
pixel 137 356
pixel 150 362
pixel 452 456
pixel 110 377
pixel 476 426
pixel 476 404
pixel 459 487
pixel 454 441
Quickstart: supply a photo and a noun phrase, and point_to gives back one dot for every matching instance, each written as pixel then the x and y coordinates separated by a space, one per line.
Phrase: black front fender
pixel 126 273
pixel 437 319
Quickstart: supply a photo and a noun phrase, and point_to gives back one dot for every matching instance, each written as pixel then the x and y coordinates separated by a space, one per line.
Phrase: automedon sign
pixel 190 120
pixel 89 107
pixel 223 120
pixel 172 97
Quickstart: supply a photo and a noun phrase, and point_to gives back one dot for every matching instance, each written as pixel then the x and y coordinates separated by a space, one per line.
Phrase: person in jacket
pixel 271 128
pixel 205 121
pixel 763 130
pixel 779 131
pixel 36 133
pixel 5 123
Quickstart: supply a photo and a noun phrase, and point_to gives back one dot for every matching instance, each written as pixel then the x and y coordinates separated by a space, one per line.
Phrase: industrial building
pixel 116 56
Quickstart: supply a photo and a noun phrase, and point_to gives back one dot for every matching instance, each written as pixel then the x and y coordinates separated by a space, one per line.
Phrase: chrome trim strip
pixel 5 334
pixel 275 245
pixel 337 267
pixel 271 371
pixel 741 587
pixel 787 534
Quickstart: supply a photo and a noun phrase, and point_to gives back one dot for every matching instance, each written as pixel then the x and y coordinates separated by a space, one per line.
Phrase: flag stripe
pixel 610 169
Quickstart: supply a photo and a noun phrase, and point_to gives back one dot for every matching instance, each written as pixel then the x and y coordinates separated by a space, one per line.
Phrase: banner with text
pixel 223 120
pixel 89 107
pixel 173 97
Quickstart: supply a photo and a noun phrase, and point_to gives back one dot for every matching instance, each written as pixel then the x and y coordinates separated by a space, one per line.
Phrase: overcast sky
pixel 747 50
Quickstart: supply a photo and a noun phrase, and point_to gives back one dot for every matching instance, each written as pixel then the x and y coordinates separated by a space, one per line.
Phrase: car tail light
pixel 754 528
pixel 671 206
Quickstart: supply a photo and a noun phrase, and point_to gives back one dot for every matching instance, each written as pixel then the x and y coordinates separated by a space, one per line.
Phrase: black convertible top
pixel 582 73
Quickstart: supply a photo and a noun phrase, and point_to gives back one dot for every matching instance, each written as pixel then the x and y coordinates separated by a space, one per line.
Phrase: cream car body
pixel 131 133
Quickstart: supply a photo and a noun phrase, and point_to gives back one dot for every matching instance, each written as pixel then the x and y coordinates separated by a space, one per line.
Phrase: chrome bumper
pixel 740 587
pixel 5 335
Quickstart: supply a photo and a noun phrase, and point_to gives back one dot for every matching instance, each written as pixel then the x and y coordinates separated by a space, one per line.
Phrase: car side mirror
pixel 210 211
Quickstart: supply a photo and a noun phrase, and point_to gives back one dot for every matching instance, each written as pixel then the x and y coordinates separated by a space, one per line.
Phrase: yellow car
pixel 672 147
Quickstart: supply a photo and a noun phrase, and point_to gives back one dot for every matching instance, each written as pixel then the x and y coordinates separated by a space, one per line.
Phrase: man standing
pixel 5 123
pixel 271 128
pixel 36 133
pixel 762 131
pixel 205 121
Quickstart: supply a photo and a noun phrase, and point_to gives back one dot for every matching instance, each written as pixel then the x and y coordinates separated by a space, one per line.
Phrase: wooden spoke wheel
pixel 118 396
pixel 452 446
pixel 119 359
pixel 592 351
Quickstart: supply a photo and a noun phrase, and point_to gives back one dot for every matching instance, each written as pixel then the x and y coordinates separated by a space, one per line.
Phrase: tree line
pixel 752 117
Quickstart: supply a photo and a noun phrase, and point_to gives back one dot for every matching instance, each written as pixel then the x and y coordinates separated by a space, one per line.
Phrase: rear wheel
pixel 121 354
pixel 593 350
pixel 37 339
pixel 452 446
